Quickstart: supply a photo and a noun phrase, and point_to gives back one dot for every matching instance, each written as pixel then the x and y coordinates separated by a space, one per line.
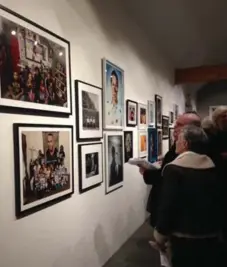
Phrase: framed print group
pixel 152 145
pixel 158 111
pixel 114 160
pixel 88 111
pixel 131 113
pixel 151 113
pixel 43 165
pixel 113 96
pixel 142 116
pixel 90 166
pixel 35 70
pixel 143 144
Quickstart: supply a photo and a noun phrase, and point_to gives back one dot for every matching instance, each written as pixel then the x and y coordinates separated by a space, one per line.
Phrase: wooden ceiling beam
pixel 200 74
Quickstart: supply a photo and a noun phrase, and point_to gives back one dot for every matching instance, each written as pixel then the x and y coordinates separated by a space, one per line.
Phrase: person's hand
pixel 141 170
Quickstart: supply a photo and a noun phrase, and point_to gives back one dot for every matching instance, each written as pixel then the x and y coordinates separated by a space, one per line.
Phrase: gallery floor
pixel 136 252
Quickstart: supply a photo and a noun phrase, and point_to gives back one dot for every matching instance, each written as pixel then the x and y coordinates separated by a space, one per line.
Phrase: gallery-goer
pixel 154 177
pixel 189 208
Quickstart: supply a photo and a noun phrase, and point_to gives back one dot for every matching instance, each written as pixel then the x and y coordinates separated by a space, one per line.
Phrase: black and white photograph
pixel 35 66
pixel 43 165
pixel 165 127
pixel 131 113
pixel 90 166
pixel 151 113
pixel 128 144
pixel 159 144
pixel 142 116
pixel 176 111
pixel 171 117
pixel 158 111
pixel 114 160
pixel 88 111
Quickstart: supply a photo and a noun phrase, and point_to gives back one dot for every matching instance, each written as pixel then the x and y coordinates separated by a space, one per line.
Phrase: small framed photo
pixel 158 111
pixel 128 145
pixel 159 143
pixel 151 113
pixel 88 111
pixel 171 137
pixel 176 111
pixel 165 127
pixel 143 144
pixel 152 145
pixel 113 96
pixel 90 166
pixel 114 160
pixel 142 116
pixel 171 117
pixel 131 113
pixel 43 165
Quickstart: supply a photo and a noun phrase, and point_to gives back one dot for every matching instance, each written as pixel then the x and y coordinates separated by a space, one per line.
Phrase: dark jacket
pixel 154 178
pixel 190 197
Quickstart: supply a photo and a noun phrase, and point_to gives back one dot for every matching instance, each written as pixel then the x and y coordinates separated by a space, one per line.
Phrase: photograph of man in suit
pixel 116 175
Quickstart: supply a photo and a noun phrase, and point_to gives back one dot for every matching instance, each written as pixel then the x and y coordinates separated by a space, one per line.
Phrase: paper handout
pixel 140 162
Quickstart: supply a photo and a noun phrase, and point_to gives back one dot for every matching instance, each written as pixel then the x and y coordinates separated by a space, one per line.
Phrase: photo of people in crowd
pixel 32 67
pixel 92 164
pixel 90 103
pixel 47 164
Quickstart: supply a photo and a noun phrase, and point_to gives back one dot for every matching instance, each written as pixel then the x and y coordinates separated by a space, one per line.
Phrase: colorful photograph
pixel 131 113
pixel 143 144
pixel 142 116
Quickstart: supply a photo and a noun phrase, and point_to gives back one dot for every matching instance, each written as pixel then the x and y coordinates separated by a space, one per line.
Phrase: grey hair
pixel 196 138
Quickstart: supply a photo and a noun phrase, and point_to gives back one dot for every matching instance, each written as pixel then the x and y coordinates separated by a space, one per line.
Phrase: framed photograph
pixel 131 113
pixel 158 111
pixel 171 117
pixel 35 69
pixel 171 138
pixel 151 113
pixel 165 127
pixel 113 96
pixel 143 144
pixel 176 111
pixel 152 145
pixel 43 165
pixel 88 111
pixel 128 145
pixel 142 116
pixel 159 143
pixel 90 166
pixel 114 160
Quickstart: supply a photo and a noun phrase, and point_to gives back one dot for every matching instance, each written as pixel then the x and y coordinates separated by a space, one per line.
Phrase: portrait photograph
pixel 113 96
pixel 114 160
pixel 90 166
pixel 165 127
pixel 88 111
pixel 43 165
pixel 158 110
pixel 171 117
pixel 176 111
pixel 159 143
pixel 171 137
pixel 152 145
pixel 143 143
pixel 35 66
pixel 128 145
pixel 142 116
pixel 151 113
pixel 131 113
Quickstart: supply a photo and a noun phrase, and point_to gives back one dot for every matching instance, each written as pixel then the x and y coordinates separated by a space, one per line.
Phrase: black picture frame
pixel 128 123
pixel 18 150
pixel 83 189
pixel 31 105
pixel 87 135
pixel 128 154
pixel 158 111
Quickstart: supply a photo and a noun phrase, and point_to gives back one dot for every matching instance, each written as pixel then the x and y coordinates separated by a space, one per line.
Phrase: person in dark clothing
pixel 153 177
pixel 189 213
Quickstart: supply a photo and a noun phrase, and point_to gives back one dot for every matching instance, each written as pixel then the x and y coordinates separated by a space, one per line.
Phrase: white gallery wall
pixel 86 229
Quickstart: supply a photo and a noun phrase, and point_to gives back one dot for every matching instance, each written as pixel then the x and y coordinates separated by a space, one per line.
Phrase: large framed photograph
pixel 143 144
pixel 151 113
pixel 114 160
pixel 142 116
pixel 128 145
pixel 152 145
pixel 43 165
pixel 165 127
pixel 88 111
pixel 35 67
pixel 131 113
pixel 113 96
pixel 171 137
pixel 158 111
pixel 90 166
pixel 159 143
